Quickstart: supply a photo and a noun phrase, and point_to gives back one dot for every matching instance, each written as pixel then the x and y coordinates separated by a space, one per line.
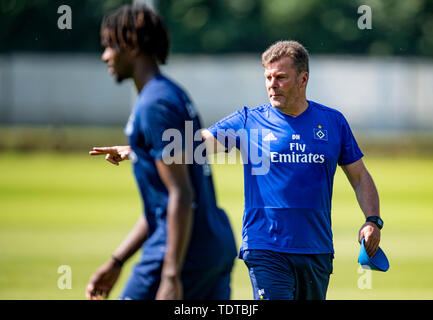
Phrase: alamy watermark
pixel 188 147
pixel 65 20
pixel 365 281
pixel 365 20
pixel 65 280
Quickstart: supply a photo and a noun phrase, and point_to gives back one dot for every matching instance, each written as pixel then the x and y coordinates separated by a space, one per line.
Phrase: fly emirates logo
pixel 255 146
pixel 297 155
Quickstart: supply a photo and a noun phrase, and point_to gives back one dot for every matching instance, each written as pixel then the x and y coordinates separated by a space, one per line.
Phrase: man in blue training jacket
pixel 290 149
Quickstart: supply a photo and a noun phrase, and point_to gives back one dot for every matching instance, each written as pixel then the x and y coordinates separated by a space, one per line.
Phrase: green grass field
pixel 71 209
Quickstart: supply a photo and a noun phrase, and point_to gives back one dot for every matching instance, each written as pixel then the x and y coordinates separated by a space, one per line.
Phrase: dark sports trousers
pixel 209 284
pixel 287 276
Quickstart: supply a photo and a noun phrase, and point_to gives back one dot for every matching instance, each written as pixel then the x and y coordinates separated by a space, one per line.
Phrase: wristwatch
pixel 376 220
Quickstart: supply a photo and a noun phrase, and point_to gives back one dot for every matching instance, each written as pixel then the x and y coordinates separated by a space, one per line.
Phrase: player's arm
pixel 179 223
pixel 212 144
pixel 228 131
pixel 103 280
pixel 368 199
pixel 113 154
pixel 133 241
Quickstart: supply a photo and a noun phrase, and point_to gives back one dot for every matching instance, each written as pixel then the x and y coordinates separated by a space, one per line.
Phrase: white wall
pixel 393 93
pixel 60 89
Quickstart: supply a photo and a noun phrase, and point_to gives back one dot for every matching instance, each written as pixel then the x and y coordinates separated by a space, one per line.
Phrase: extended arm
pixel 113 154
pixel 212 144
pixel 368 199
pixel 179 223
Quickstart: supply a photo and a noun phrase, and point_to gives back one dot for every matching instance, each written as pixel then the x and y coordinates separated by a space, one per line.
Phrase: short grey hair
pixel 292 49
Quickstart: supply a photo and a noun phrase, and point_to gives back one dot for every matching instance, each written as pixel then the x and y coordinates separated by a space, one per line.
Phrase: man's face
pixel 119 63
pixel 283 84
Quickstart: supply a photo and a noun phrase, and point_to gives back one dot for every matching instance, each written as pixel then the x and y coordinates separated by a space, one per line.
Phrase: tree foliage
pixel 219 26
pixel 230 26
pixel 31 25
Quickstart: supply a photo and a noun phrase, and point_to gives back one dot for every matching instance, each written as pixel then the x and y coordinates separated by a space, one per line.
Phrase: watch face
pixel 380 222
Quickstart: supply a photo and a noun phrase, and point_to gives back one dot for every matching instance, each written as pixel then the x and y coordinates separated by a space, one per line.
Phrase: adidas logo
pixel 269 137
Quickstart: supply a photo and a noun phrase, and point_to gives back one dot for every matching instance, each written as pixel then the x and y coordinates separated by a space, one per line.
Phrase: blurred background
pixel 60 207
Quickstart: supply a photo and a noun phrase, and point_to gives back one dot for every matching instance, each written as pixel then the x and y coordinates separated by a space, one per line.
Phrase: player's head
pixel 131 32
pixel 286 72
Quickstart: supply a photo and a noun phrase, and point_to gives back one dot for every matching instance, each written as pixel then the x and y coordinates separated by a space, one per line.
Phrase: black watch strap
pixel 376 220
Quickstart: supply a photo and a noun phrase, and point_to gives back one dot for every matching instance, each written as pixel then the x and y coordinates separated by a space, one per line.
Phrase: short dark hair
pixel 292 49
pixel 136 26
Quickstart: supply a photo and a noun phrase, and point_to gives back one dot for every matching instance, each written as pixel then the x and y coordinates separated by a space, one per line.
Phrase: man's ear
pixel 303 79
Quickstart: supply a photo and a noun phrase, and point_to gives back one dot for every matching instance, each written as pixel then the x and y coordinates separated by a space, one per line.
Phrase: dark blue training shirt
pixel 289 167
pixel 162 105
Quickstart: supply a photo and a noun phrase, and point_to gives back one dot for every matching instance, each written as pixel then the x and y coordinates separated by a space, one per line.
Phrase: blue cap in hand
pixel 378 262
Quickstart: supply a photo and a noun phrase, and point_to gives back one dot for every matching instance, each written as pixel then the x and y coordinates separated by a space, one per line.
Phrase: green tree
pixel 31 25
pixel 220 26
pixel 228 26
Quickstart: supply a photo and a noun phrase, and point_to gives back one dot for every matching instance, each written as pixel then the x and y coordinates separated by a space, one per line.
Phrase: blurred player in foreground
pixel 188 248
pixel 286 236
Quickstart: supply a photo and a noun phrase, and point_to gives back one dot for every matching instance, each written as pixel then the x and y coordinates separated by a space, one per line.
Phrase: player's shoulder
pixel 161 91
pixel 329 111
pixel 167 86
pixel 252 112
pixel 257 110
pixel 161 87
pixel 260 109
